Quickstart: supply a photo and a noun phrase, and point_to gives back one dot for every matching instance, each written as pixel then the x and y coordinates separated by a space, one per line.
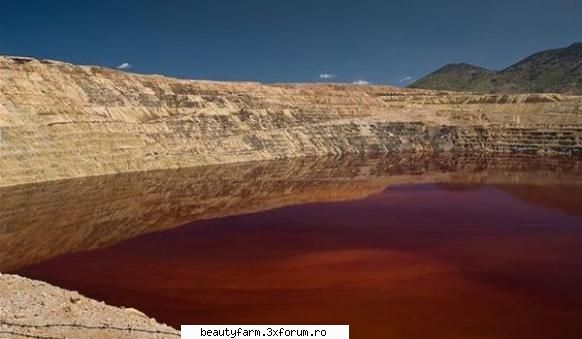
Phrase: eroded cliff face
pixel 62 121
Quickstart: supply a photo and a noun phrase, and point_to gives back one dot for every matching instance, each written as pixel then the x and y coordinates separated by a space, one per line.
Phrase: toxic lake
pixel 396 247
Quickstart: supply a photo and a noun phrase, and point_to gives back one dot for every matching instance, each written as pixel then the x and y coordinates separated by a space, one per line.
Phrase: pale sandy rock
pixel 31 308
pixel 60 121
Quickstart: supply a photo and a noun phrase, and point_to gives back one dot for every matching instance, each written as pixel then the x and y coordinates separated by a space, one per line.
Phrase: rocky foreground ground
pixel 33 309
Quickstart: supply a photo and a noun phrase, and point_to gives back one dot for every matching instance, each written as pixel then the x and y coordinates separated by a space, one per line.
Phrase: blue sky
pixel 288 41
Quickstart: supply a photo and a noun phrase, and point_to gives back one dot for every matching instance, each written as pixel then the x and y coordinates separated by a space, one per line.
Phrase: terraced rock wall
pixel 61 121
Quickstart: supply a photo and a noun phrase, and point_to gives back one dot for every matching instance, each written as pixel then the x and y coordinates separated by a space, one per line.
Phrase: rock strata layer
pixel 61 121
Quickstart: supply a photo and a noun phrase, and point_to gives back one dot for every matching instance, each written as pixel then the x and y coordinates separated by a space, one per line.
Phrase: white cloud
pixel 407 78
pixel 326 76
pixel 125 65
pixel 361 82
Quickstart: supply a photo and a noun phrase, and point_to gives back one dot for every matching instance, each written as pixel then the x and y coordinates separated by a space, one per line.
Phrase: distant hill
pixel 556 70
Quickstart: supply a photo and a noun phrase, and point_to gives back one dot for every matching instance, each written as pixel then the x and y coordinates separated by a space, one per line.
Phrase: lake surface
pixel 397 248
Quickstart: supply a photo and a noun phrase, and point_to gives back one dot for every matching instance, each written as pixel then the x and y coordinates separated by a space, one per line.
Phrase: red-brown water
pixel 415 261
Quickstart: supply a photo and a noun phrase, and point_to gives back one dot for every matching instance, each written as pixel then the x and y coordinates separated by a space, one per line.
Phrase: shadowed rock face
pixel 59 121
pixel 41 221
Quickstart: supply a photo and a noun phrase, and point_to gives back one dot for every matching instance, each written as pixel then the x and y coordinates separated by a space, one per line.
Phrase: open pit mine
pixel 60 121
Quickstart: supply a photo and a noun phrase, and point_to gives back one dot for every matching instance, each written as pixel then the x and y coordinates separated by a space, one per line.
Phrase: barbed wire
pixel 28 335
pixel 86 327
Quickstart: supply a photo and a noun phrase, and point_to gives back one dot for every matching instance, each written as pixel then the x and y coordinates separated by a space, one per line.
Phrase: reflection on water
pixel 403 248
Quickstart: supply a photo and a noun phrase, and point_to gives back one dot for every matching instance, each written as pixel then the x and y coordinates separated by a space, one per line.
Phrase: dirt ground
pixel 33 309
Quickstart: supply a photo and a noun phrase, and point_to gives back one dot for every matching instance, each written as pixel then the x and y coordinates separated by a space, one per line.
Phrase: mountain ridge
pixel 549 71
